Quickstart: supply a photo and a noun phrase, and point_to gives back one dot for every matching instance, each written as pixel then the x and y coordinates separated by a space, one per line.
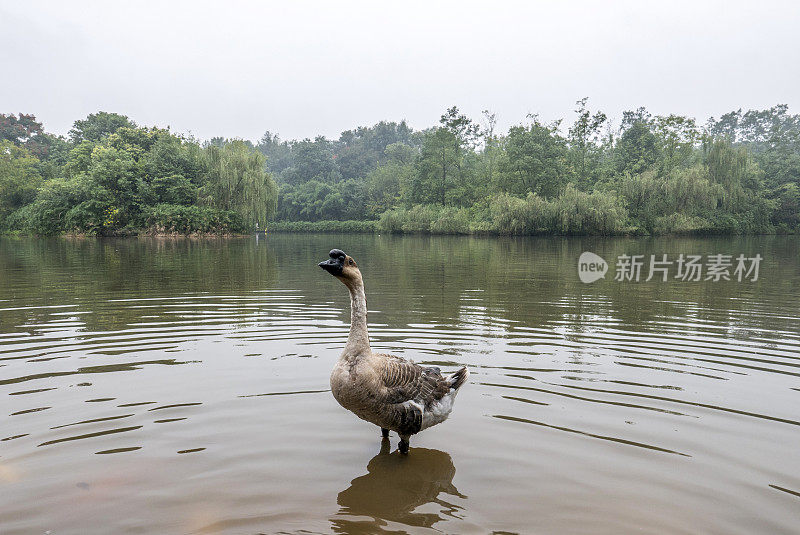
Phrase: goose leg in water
pixel 384 432
pixel 403 446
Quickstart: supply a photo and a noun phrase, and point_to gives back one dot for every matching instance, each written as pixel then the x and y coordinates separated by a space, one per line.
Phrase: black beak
pixel 335 264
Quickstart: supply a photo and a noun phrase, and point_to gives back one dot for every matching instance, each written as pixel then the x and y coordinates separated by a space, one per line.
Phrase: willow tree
pixel 237 180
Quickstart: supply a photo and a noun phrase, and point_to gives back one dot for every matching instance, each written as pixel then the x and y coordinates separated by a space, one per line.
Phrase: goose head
pixel 341 266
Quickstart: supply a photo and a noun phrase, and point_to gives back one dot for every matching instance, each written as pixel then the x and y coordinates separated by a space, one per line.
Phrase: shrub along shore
pixel 663 174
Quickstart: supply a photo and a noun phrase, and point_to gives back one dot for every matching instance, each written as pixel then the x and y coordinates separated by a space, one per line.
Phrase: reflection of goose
pixel 388 391
pixel 393 487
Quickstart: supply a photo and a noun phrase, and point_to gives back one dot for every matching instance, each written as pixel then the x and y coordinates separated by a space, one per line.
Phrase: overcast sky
pixel 237 69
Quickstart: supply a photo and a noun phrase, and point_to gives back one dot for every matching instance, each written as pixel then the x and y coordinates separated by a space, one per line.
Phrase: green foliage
pixel 534 160
pixel 578 212
pixel 237 180
pixel 518 216
pixel 654 174
pixel 349 226
pixel 649 198
pixel 392 220
pixel 446 165
pixel 388 184
pixel 316 200
pixel 79 159
pixel 360 150
pixel 572 212
pixel 418 218
pixel 636 150
pixel 178 219
pixel 174 189
pixel 451 220
pixel 786 215
pixel 312 160
pixel 117 178
pixel 19 129
pixel 53 155
pixel 19 178
pixel 436 169
pixel 732 168
pixel 24 130
pixel 113 176
pixel 677 136
pixel 98 126
pixel 48 213
pixel 584 151
pixel 277 152
pixel 428 218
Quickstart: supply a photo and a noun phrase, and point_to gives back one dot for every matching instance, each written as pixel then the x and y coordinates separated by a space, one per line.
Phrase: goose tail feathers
pixel 458 378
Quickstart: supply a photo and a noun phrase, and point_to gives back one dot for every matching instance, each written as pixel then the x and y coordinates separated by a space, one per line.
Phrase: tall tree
pixel 312 160
pixel 24 130
pixel 636 149
pixel 677 136
pixel 277 151
pixel 583 137
pixel 466 135
pixel 19 178
pixel 237 180
pixel 98 125
pixel 534 159
pixel 439 159
pixel 19 128
pixel 491 146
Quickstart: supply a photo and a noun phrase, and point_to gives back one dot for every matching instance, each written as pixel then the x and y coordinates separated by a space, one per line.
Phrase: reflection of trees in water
pixel 393 487
pixel 72 271
pixel 530 282
pixel 533 281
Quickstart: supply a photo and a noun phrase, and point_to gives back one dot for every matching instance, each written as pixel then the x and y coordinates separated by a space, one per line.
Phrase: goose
pixel 391 392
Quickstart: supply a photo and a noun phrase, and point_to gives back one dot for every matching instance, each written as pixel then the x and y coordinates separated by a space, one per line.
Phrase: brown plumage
pixel 389 391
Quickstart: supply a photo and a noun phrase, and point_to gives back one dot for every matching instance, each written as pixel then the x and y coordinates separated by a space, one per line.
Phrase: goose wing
pixel 408 389
pixel 405 381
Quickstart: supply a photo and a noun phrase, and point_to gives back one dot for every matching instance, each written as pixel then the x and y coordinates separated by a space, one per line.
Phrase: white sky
pixel 299 68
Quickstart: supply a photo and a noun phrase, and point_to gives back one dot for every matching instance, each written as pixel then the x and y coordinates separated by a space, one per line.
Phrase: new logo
pixel 591 267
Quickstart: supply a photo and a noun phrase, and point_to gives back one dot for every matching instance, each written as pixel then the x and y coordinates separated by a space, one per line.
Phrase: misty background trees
pixel 648 174
pixel 112 177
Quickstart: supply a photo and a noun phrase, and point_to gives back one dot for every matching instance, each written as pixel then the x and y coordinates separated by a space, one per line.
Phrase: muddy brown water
pixel 181 386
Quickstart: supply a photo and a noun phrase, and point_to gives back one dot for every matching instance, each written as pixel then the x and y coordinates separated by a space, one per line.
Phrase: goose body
pixel 386 390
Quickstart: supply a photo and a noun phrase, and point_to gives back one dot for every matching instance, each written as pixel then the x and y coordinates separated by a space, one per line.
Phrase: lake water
pixel 181 386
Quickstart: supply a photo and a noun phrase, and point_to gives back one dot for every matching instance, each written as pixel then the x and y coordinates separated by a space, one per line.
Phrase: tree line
pixel 112 177
pixel 649 174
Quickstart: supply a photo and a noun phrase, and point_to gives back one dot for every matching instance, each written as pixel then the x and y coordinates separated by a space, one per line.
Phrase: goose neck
pixel 358 340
